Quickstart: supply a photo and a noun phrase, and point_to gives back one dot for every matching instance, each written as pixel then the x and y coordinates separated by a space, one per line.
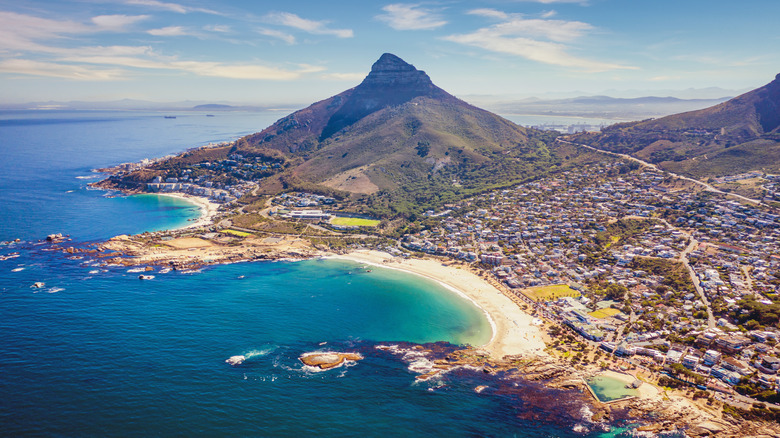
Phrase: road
pixel 706 186
pixel 696 283
pixel 684 260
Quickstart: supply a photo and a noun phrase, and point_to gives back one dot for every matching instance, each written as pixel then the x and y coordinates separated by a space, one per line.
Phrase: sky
pixel 279 52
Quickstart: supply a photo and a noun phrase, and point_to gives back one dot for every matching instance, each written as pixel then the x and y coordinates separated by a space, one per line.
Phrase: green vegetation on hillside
pixel 736 136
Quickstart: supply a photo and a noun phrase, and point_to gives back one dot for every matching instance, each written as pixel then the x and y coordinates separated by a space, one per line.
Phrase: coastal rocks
pixel 328 360
pixel 56 238
pixel 569 384
pixel 705 428
pixel 235 360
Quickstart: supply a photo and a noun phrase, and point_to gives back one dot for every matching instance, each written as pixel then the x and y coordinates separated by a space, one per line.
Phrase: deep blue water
pixel 97 352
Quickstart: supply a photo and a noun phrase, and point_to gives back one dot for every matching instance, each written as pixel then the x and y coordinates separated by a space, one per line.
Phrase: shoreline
pixel 513 330
pixel 208 209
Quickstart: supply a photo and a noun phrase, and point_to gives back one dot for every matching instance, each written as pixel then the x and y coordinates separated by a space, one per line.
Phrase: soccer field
pixel 354 222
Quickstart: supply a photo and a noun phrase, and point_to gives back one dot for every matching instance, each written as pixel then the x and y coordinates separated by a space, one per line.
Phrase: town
pixel 626 261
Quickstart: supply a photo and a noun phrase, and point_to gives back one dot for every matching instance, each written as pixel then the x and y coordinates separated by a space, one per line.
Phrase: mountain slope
pixel 399 135
pixel 736 136
pixel 395 145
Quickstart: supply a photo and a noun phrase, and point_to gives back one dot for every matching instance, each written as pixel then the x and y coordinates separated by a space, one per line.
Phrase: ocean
pixel 98 352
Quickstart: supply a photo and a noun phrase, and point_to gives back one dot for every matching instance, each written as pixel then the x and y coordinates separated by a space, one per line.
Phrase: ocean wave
pixel 191 271
pixel 54 290
pixel 87 176
pixel 262 352
pixel 17 269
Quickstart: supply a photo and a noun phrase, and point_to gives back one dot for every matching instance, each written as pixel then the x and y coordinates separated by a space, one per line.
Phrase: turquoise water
pixel 97 352
pixel 609 389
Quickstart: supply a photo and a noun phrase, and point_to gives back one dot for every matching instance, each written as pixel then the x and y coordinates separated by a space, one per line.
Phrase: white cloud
pixel 490 13
pixel 547 2
pixel 534 39
pixel 306 25
pixel 18 31
pixel 217 28
pixel 286 37
pixel 28 46
pixel 405 16
pixel 116 22
pixel 57 70
pixel 351 77
pixel 172 7
pixel 169 31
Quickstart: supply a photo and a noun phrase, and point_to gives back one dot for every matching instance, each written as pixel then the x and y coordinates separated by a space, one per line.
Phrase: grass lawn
pixel 604 313
pixel 237 233
pixel 552 292
pixel 354 222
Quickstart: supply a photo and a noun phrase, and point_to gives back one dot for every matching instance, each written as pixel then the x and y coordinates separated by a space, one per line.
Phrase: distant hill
pixel 604 106
pixel 739 135
pixel 213 107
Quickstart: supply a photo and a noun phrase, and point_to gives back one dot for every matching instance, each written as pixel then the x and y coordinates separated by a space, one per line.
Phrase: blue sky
pixel 262 52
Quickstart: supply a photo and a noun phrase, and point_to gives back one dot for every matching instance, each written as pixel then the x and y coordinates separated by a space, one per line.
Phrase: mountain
pixel 634 108
pixel 396 145
pixel 213 107
pixel 402 141
pixel 739 135
pixel 132 105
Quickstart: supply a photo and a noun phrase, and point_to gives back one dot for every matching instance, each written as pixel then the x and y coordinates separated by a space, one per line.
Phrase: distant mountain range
pixel 634 108
pixel 739 135
pixel 132 105
pixel 607 107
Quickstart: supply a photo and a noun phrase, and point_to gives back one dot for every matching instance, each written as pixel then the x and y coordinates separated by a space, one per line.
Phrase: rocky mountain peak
pixel 392 71
pixel 392 81
pixel 389 63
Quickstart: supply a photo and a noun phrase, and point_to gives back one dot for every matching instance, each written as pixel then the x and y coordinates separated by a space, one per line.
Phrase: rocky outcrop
pixel 328 360
pixel 392 81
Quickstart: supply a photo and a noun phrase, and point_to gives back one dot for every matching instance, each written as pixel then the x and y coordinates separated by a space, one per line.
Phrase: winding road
pixel 706 186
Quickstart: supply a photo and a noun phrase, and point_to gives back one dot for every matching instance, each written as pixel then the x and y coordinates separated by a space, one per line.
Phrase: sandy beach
pixel 208 209
pixel 513 330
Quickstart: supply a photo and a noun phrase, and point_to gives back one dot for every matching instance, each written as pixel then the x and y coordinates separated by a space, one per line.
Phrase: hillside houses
pixel 585 227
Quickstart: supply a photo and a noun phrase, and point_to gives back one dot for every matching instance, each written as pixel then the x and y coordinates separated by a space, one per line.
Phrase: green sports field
pixel 551 292
pixel 354 222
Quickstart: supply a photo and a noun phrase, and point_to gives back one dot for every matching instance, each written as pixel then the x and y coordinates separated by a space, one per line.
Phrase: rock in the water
pixel 236 360
pixel 328 360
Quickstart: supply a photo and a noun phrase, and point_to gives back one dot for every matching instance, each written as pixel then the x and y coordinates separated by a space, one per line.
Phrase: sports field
pixel 237 233
pixel 551 292
pixel 354 222
pixel 604 313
